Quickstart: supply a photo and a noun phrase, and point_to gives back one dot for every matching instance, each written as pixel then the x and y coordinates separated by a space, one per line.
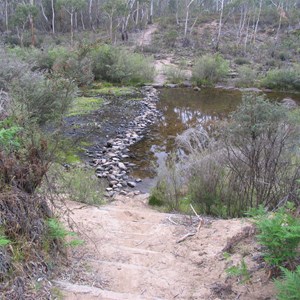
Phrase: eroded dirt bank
pixel 132 252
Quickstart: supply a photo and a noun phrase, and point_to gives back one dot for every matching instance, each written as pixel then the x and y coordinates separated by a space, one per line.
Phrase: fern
pixel 289 287
pixel 4 241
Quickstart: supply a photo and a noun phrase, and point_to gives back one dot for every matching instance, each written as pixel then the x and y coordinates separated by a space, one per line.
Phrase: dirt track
pixel 131 252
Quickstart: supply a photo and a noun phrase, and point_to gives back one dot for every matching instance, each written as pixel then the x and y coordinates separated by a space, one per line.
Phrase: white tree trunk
pixel 151 12
pixel 220 25
pixel 90 13
pixel 6 15
pixel 187 17
pixel 72 30
pixel 53 16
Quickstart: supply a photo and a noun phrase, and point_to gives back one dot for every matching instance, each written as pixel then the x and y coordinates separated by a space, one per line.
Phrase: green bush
pixel 210 69
pixel 120 66
pixel 241 271
pixel 247 76
pixel 170 38
pixel 241 61
pixel 104 57
pixel 68 63
pixel 132 68
pixel 254 162
pixel 279 232
pixel 283 79
pixel 11 69
pixel 41 98
pixel 289 287
pixel 175 74
pixel 56 231
pixel 81 185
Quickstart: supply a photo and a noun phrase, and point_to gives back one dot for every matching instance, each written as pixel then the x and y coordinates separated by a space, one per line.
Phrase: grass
pixel 113 90
pixel 84 105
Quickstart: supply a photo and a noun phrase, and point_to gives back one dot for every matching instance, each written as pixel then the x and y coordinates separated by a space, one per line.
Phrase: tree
pixel 24 13
pixel 71 7
pixel 112 10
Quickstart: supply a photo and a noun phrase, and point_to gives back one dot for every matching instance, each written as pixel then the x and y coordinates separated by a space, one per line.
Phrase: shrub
pixel 78 69
pixel 279 232
pixel 241 271
pixel 11 69
pixel 175 74
pixel 170 38
pixel 241 61
pixel 247 76
pixel 210 69
pixel 283 79
pixel 289 287
pixel 259 143
pixel 132 68
pixel 104 57
pixel 120 66
pixel 81 185
pixel 168 190
pixel 43 99
pixel 253 162
pixel 68 63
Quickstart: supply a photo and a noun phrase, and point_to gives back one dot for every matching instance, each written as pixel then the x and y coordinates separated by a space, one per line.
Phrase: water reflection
pixel 182 109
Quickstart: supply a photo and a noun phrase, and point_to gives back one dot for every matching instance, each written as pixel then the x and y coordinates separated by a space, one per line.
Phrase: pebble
pixel 108 160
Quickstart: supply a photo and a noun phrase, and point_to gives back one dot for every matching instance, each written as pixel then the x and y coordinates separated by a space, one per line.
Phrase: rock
pixel 109 143
pixel 289 103
pixel 131 184
pixel 122 166
pixel 138 180
pixel 136 192
pixel 113 183
pixel 124 193
pixel 187 84
pixel 109 189
pixel 111 177
pixel 197 89
pixel 171 85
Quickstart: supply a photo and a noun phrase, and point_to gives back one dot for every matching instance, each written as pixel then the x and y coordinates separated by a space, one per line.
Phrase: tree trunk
pixel 90 13
pixel 151 12
pixel 137 13
pixel 220 25
pixel 72 30
pixel 82 20
pixel 31 21
pixel 187 17
pixel 53 16
pixel 111 28
pixel 6 15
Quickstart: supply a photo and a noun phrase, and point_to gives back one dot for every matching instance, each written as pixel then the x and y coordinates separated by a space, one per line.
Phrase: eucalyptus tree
pixel 71 7
pixel 24 14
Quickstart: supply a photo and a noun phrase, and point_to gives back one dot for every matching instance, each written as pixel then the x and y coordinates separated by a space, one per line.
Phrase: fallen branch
pixel 201 222
pixel 185 237
pixel 173 222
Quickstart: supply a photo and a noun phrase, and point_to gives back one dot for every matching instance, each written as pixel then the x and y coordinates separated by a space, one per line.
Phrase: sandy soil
pixel 132 252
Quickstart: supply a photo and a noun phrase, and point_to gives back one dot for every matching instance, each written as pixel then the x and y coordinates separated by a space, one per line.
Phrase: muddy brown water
pixel 182 109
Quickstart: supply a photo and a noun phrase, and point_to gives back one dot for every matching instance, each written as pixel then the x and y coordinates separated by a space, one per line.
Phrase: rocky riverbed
pixel 110 159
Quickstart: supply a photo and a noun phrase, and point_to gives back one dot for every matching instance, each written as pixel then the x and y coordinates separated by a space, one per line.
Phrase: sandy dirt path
pixel 131 252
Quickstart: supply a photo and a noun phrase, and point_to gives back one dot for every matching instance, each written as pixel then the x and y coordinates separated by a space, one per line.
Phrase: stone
pixel 197 89
pixel 131 184
pixel 122 166
pixel 109 189
pixel 113 183
pixel 109 143
pixel 138 180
